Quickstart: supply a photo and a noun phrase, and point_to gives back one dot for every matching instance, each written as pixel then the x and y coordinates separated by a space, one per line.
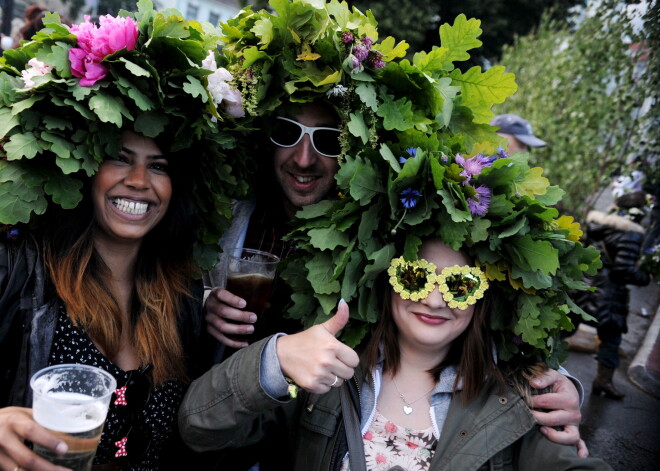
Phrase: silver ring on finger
pixel 335 381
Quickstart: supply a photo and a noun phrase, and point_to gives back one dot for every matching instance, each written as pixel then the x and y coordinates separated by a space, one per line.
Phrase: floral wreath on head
pixel 419 160
pixel 69 92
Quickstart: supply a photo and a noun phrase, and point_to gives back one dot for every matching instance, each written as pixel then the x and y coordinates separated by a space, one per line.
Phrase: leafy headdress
pixel 69 92
pixel 419 160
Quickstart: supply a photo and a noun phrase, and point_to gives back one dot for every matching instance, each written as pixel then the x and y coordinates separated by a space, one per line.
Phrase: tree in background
pixel 418 21
pixel 590 90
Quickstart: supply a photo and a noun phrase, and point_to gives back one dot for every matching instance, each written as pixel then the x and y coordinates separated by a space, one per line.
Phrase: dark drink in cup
pixel 255 289
pixel 250 275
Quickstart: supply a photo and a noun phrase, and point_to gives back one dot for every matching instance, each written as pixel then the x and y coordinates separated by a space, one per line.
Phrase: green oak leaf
pixel 151 124
pixel 8 121
pixel 349 283
pixel 358 127
pixel 327 238
pixel 195 88
pixel 433 62
pixel 367 94
pixel 134 68
pixel 535 254
pixel 108 108
pixel 320 269
pixel 389 50
pixel 481 90
pixel 64 190
pixel 448 93
pixel 460 37
pixel 22 145
pixel 387 154
pixel 396 114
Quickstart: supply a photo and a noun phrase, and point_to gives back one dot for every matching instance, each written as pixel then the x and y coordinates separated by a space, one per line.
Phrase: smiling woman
pixel 131 191
pixel 112 161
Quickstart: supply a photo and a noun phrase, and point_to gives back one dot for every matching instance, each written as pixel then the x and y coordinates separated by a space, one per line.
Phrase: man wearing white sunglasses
pixel 305 156
pixel 305 146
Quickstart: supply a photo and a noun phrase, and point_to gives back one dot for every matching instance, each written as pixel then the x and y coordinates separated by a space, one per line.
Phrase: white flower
pixel 36 69
pixel 222 93
pixel 337 90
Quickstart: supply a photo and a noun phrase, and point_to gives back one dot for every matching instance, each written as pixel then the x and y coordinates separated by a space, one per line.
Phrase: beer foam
pixel 68 412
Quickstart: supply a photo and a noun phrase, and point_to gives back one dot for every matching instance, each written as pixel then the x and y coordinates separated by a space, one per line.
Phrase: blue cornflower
pixel 412 152
pixel 409 198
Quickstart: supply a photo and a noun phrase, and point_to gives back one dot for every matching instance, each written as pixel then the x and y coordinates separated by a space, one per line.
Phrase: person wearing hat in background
pixel 619 236
pixel 518 132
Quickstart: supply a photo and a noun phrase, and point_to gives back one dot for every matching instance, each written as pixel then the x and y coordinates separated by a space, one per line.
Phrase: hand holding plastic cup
pixel 250 275
pixel 72 402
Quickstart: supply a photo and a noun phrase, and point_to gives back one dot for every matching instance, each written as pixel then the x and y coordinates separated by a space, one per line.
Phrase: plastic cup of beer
pixel 250 275
pixel 72 401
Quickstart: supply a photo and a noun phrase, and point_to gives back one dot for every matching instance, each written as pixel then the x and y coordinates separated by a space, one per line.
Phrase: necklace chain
pixel 407 408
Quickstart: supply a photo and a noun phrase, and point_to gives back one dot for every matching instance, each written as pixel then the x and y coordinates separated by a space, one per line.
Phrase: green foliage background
pixel 591 91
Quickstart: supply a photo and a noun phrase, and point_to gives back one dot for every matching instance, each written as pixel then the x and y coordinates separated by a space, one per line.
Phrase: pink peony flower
pixel 95 43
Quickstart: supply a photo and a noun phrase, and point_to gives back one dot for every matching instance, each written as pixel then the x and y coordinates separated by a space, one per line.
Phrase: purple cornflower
pixel 479 203
pixel 500 154
pixel 347 37
pixel 409 198
pixel 472 166
pixel 375 60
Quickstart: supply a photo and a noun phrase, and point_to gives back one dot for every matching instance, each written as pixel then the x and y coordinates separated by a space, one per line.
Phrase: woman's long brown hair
pixel 163 273
pixel 471 352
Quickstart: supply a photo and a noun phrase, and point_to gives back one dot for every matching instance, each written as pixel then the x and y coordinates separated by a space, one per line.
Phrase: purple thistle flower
pixel 347 37
pixel 375 60
pixel 367 42
pixel 479 203
pixel 360 52
pixel 410 198
pixel 472 166
pixel 357 65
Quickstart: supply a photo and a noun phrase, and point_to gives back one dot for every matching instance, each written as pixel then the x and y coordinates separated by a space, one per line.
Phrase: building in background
pixel 212 11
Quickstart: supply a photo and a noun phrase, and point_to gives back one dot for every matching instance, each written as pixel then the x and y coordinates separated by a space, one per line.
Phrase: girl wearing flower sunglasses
pixel 426 393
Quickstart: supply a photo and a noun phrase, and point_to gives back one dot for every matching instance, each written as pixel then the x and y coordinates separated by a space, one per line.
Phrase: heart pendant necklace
pixel 407 406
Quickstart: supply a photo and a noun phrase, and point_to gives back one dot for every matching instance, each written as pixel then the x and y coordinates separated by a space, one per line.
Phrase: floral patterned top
pixel 387 444
pixel 134 440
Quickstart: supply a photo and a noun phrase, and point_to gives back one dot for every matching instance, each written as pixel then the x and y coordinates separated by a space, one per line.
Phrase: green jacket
pixel 227 408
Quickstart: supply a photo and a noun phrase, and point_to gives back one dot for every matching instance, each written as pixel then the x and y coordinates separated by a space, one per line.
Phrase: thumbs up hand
pixel 314 358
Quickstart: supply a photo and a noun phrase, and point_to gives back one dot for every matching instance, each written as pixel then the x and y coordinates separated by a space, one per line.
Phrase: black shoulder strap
pixel 352 427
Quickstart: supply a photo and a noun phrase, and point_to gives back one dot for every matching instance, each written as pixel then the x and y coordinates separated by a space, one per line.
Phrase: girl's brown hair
pixel 471 352
pixel 163 273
